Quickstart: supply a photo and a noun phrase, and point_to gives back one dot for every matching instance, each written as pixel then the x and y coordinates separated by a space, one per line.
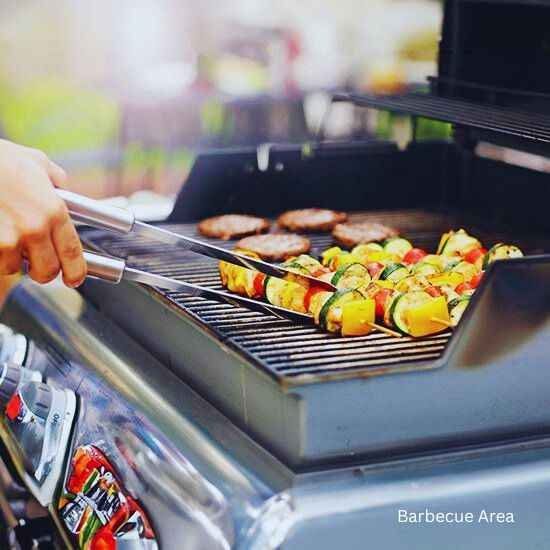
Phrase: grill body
pixel 387 396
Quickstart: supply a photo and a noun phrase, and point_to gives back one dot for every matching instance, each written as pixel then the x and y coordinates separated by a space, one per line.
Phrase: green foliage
pixel 58 117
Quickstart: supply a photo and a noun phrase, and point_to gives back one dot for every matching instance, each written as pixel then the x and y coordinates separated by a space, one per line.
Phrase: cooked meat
pixel 231 226
pixel 351 234
pixel 311 219
pixel 275 247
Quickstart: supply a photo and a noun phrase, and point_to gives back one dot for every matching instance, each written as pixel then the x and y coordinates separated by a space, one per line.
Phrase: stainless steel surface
pixel 284 348
pixel 105 268
pixel 97 214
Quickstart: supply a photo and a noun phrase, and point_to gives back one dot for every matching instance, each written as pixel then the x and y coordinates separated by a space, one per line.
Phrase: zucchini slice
pixel 397 246
pixel 351 276
pixel 273 290
pixel 330 316
pixel 400 305
pixel 457 308
pixel 458 242
pixel 394 273
pixel 501 252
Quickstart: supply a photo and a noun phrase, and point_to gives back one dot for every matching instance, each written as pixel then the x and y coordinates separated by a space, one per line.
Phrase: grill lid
pixel 493 77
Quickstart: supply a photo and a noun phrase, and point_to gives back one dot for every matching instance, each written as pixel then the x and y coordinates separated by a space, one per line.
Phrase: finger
pixel 10 252
pixel 69 251
pixel 56 174
pixel 42 256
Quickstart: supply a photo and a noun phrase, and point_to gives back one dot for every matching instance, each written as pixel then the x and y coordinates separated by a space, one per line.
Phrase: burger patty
pixel 311 219
pixel 275 247
pixel 351 234
pixel 231 226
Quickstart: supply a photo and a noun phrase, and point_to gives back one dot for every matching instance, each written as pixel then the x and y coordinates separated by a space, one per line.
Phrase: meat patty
pixel 231 226
pixel 311 219
pixel 351 234
pixel 275 247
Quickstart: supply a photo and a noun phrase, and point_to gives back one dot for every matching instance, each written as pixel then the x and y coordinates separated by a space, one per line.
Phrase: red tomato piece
pixel 374 268
pixel 312 290
pixel 414 255
pixel 433 291
pixel 474 255
pixel 380 301
pixel 463 287
pixel 259 285
pixel 476 279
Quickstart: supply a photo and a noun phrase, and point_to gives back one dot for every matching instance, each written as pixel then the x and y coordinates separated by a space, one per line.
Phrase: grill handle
pixel 97 214
pixel 105 268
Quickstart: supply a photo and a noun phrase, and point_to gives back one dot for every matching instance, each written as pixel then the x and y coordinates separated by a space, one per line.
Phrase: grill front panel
pixel 282 348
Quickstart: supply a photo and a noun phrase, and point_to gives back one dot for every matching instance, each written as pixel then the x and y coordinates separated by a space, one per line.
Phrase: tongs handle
pixel 97 214
pixel 105 268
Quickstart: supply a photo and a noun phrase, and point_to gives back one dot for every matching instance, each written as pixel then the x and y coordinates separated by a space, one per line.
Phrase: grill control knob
pixel 10 376
pixel 13 347
pixel 38 398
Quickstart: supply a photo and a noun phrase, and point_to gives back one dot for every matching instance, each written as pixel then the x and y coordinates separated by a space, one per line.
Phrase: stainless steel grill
pixel 279 346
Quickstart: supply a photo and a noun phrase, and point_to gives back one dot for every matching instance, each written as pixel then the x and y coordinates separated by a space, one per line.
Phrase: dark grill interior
pixel 285 349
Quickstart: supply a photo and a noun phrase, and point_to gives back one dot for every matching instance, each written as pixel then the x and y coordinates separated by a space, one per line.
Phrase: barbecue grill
pixel 311 439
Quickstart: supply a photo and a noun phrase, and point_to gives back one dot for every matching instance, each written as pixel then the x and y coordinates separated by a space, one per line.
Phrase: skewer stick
pixel 441 321
pixel 387 330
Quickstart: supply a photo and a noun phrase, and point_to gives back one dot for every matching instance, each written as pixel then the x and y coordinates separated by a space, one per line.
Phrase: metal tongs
pixel 114 270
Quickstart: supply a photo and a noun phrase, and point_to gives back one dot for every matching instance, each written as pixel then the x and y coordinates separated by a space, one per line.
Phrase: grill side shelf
pixel 507 321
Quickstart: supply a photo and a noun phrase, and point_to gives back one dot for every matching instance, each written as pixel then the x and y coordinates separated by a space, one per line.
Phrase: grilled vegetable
pixel 457 243
pixel 351 276
pixel 363 250
pixel 397 246
pixel 330 316
pixel 394 273
pixel 414 255
pixel 475 257
pixel 423 297
pixel 425 269
pixel 329 254
pixel 418 314
pixel 457 308
pixel 501 252
pixel 467 270
pixel 401 305
pixel 357 317
pixel 305 263
pixel 446 279
pixel 285 294
pixel 429 317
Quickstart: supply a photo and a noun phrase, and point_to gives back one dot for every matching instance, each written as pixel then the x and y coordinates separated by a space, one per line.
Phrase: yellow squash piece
pixel 429 317
pixel 357 317
pixel 452 279
pixel 329 254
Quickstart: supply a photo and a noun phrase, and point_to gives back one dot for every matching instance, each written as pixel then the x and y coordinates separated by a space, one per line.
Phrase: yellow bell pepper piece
pixel 329 254
pixel 357 317
pixel 384 284
pixel 451 279
pixel 428 318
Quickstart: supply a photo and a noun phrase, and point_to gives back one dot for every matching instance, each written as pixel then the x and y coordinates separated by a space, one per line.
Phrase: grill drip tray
pixel 308 396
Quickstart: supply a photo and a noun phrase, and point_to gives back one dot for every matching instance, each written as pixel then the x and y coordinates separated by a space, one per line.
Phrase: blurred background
pixel 125 93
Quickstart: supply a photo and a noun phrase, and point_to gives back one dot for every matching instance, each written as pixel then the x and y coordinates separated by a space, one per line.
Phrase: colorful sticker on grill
pixel 96 509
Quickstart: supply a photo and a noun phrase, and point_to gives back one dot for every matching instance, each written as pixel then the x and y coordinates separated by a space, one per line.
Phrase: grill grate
pixel 281 347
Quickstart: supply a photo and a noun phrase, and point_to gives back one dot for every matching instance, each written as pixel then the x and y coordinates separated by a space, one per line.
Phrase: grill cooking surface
pixel 281 347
